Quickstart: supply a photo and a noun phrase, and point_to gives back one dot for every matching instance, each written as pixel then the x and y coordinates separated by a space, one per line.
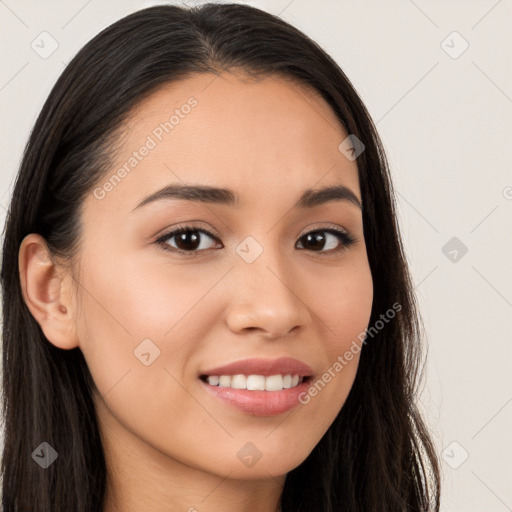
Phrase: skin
pixel 170 446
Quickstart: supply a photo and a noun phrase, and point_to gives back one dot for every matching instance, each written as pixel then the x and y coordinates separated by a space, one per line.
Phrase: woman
pixel 205 298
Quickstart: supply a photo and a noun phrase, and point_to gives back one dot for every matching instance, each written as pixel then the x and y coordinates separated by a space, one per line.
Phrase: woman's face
pixel 152 320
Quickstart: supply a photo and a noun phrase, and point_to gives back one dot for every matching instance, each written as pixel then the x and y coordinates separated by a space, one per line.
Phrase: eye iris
pixel 317 238
pixel 187 241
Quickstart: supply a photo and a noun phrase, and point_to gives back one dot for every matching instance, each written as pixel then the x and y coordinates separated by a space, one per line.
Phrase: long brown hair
pixel 377 455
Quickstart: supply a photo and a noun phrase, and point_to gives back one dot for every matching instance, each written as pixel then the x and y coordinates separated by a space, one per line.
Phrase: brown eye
pixel 186 240
pixel 333 240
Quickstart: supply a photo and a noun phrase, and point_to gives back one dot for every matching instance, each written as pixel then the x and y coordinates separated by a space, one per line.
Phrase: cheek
pixel 139 324
pixel 137 338
pixel 140 298
pixel 345 309
pixel 349 309
pixel 344 303
pixel 129 310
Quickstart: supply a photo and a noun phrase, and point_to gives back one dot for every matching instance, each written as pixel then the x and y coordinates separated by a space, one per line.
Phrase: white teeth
pixel 239 381
pixel 225 381
pixel 287 381
pixel 213 380
pixel 274 383
pixel 255 382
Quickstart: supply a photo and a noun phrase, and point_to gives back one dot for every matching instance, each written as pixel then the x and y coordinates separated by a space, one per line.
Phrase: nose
pixel 266 298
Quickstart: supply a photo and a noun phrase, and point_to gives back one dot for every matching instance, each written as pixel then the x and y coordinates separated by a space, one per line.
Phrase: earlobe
pixel 46 291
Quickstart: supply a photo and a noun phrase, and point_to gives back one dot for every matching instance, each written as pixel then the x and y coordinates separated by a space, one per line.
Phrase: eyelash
pixel 344 237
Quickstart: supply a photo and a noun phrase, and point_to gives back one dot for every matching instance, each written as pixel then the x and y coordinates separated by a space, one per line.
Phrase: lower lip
pixel 259 403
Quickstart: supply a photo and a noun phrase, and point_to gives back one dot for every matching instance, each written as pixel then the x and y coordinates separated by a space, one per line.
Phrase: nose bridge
pixel 263 295
pixel 262 264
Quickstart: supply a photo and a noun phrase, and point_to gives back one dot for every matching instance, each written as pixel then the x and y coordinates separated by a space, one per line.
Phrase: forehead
pixel 268 135
pixel 227 93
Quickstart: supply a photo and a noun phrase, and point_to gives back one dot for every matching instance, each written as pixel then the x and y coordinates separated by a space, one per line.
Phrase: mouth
pixel 258 386
pixel 271 383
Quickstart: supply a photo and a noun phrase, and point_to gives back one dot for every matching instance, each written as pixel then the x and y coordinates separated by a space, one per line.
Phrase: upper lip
pixel 265 367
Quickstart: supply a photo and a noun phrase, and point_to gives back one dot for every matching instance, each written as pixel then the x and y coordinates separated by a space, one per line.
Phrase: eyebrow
pixel 223 196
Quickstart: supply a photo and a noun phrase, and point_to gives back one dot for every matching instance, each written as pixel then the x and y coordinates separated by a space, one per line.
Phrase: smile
pixel 254 382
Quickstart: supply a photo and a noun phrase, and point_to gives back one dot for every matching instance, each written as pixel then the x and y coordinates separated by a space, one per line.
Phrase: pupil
pixel 184 241
pixel 317 237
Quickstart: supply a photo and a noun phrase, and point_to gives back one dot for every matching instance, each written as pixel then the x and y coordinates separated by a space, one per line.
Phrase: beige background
pixel 445 122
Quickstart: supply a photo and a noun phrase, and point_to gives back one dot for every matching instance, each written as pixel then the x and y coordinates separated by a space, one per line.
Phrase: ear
pixel 47 291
